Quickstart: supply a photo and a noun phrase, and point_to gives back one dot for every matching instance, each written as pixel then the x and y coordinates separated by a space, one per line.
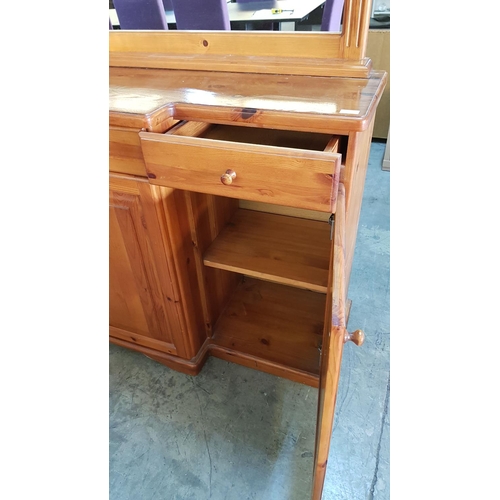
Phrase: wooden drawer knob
pixel 358 337
pixel 228 177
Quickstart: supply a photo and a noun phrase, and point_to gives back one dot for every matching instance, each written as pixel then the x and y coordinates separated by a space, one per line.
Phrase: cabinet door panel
pixel 332 347
pixel 142 306
pixel 126 308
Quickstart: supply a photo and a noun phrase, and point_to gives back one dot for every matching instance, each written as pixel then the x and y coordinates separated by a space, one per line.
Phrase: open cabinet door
pixel 334 335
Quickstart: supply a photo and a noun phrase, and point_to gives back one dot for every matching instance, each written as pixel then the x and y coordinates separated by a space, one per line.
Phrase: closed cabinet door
pixel 142 305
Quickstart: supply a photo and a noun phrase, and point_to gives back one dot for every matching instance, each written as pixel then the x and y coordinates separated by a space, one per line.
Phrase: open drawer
pixel 280 167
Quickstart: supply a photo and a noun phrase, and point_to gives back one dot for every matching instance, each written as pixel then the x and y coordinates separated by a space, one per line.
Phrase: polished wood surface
pixel 125 153
pixel 324 53
pixel 337 271
pixel 227 177
pixel 280 324
pixel 193 274
pixel 191 366
pixel 357 337
pixel 208 215
pixel 312 54
pixel 353 175
pixel 205 216
pixel 221 43
pixel 141 296
pixel 355 26
pixel 225 304
pixel 282 176
pixel 173 217
pixel 153 99
pixel 273 247
pixel 250 64
pixel 333 343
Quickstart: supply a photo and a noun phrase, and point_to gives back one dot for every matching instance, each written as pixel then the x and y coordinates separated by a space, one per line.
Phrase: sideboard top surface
pixel 149 98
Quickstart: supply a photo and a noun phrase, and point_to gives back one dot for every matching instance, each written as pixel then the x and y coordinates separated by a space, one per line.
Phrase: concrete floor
pixel 233 433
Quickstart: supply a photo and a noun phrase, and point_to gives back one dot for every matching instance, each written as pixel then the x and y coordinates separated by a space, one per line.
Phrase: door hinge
pixel 331 220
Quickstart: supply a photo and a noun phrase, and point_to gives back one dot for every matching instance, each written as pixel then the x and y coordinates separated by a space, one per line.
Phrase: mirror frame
pixel 293 53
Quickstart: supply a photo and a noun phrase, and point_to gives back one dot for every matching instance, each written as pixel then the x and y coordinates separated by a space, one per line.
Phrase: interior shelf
pixel 274 328
pixel 272 247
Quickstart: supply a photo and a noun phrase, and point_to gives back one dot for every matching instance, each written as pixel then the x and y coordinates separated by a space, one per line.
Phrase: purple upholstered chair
pixel 141 14
pixel 201 14
pixel 110 25
pixel 332 15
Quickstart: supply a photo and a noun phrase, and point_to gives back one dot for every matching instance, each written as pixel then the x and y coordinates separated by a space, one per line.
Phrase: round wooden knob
pixel 358 337
pixel 228 177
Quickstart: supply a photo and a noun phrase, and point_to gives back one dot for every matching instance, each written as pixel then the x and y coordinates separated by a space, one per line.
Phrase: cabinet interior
pixel 290 139
pixel 272 272
pixel 274 323
pixel 273 247
pixel 267 137
pixel 264 268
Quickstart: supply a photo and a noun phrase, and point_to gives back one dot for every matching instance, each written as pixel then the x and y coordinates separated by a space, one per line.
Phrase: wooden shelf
pixel 273 328
pixel 272 247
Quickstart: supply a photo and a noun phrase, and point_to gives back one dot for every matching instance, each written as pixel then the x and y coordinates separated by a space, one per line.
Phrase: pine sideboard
pixel 236 173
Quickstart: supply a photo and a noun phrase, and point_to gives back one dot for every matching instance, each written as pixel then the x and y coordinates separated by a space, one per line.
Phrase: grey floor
pixel 233 433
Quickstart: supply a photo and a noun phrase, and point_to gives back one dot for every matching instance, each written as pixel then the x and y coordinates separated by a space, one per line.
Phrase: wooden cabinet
pixel 237 235
pixel 280 166
pixel 270 270
pixel 141 298
pixel 146 307
pixel 282 304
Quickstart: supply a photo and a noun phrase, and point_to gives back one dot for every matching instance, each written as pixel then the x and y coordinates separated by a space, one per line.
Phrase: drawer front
pixel 125 154
pixel 278 175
